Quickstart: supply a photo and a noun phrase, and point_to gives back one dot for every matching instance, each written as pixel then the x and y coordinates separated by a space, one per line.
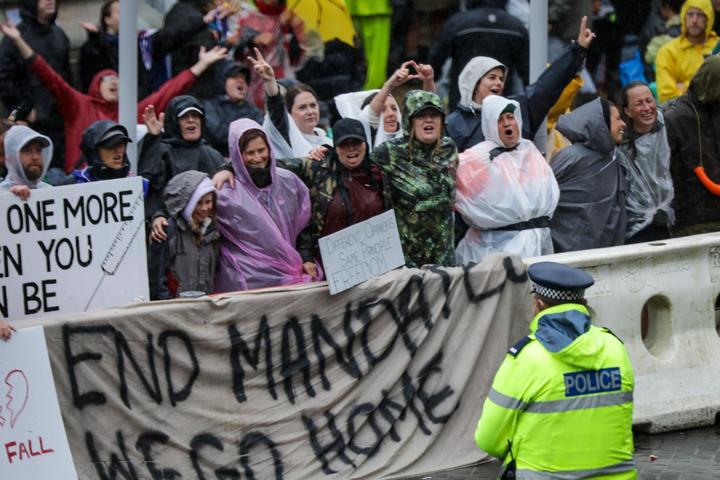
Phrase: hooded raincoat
pixel 15 139
pixel 507 198
pixel 591 212
pixel 18 86
pixel 186 261
pixel 678 60
pixel 259 226
pixel 163 157
pixel 349 105
pixel 79 110
pixel 95 169
pixel 646 161
pixel 464 124
pixel 420 179
pixel 693 130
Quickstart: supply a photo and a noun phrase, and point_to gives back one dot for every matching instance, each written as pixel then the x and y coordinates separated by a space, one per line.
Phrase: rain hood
pixel 471 75
pixel 15 139
pixel 259 226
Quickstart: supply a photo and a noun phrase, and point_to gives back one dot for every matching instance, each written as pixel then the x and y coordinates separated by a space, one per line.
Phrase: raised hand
pixel 585 36
pixel 152 122
pixel 90 27
pixel 402 74
pixel 425 71
pixel 261 67
pixel 10 31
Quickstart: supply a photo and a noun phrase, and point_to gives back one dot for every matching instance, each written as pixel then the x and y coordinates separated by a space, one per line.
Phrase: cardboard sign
pixel 72 249
pixel 33 443
pixel 358 252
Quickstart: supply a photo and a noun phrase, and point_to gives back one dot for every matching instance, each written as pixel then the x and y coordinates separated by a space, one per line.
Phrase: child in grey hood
pixel 186 261
pixel 27 158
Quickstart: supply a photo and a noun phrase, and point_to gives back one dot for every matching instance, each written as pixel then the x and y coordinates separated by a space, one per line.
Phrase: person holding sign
pixel 260 217
pixel 27 158
pixel 420 173
pixel 6 330
pixel 345 187
pixel 185 262
pixel 506 191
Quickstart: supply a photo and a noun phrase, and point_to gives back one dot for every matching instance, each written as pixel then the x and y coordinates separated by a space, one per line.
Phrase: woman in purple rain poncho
pixel 260 218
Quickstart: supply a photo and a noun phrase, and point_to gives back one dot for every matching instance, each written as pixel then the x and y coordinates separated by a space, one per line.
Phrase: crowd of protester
pixel 243 172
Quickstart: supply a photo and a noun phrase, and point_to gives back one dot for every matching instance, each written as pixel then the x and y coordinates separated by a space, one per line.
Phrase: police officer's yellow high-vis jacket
pixel 563 399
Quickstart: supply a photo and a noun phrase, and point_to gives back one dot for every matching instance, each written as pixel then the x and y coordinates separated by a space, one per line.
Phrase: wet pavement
pixel 683 455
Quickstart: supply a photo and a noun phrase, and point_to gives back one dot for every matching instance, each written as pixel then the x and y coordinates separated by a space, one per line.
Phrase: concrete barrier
pixel 660 298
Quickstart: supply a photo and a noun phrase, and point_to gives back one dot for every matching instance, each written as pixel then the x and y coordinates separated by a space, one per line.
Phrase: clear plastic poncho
pixel 516 186
pixel 650 186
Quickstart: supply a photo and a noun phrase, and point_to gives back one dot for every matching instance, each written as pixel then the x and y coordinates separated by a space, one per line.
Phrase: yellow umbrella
pixel 330 18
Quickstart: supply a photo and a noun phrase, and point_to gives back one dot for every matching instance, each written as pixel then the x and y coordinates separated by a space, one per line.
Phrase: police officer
pixel 561 403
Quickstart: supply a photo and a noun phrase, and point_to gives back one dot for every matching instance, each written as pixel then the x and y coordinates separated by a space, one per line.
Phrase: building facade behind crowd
pixel 619 173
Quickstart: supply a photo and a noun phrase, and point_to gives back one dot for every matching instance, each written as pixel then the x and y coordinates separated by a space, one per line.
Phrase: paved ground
pixel 684 455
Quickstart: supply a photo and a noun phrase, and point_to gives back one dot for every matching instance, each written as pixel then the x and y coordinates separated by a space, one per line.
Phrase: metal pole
pixel 128 75
pixel 538 54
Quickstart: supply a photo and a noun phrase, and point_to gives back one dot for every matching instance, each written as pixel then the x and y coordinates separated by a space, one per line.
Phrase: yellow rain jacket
pixel 561 402
pixel 678 60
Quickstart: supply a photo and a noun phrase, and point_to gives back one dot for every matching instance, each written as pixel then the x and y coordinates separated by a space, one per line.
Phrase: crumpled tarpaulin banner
pixel 384 380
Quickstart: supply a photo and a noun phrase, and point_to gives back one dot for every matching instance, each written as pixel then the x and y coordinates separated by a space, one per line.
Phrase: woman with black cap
pixel 345 187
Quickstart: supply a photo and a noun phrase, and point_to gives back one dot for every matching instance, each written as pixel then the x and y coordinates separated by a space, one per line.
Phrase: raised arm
pixel 65 95
pixel 275 104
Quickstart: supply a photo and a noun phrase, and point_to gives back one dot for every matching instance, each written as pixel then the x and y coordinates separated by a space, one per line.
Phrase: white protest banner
pixel 32 437
pixel 386 380
pixel 72 249
pixel 358 252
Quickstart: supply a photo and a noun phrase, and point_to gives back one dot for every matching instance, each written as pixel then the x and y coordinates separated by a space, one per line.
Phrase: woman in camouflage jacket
pixel 420 173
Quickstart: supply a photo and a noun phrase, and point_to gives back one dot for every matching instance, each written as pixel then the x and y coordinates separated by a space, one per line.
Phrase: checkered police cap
pixel 559 282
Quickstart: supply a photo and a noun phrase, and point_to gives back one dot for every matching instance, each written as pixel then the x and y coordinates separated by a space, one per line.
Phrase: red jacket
pixel 79 110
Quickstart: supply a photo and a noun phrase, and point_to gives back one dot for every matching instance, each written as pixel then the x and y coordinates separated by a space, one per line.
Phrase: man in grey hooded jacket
pixel 27 158
pixel 591 212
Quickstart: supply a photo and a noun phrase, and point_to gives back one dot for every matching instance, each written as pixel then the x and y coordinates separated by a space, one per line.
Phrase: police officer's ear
pixel 538 304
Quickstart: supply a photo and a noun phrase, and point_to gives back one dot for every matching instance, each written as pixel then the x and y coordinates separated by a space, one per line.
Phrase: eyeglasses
pixel 110 78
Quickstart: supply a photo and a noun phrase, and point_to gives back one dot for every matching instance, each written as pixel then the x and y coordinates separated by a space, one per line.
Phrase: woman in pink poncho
pixel 260 218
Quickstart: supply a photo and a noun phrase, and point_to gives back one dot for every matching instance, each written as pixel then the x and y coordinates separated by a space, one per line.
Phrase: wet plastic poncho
pixel 515 186
pixel 349 105
pixel 259 226
pixel 297 144
pixel 650 186
pixel 591 212
pixel 15 139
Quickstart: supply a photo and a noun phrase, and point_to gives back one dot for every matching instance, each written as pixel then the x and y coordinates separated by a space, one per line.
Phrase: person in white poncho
pixel 506 192
pixel 291 121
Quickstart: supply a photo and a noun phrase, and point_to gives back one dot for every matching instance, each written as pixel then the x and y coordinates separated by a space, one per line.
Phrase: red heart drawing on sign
pixel 13 402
